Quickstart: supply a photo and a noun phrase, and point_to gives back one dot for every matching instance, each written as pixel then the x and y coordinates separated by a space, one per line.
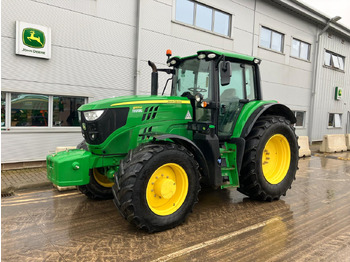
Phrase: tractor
pixel 152 153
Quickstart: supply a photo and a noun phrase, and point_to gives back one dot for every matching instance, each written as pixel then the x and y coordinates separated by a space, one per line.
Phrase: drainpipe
pixel 314 75
pixel 137 47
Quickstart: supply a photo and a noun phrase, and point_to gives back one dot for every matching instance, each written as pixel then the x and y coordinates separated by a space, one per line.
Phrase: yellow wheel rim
pixel 276 159
pixel 101 179
pixel 167 189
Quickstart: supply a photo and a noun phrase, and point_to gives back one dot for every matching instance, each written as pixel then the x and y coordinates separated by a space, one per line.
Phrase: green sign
pixel 33 38
pixel 338 93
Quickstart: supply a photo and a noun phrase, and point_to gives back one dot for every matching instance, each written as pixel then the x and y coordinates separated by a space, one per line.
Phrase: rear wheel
pixel 99 187
pixel 270 160
pixel 157 186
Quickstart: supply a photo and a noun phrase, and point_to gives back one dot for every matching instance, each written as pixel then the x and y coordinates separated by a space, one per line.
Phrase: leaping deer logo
pixel 32 37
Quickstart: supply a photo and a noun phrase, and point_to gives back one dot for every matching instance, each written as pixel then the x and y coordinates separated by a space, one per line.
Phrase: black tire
pixel 94 190
pixel 134 177
pixel 253 182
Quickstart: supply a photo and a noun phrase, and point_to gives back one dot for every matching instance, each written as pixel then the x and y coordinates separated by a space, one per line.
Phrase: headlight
pixel 93 115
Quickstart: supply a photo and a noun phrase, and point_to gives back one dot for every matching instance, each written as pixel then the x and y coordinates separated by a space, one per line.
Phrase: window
pixel 36 110
pixel 29 110
pixel 300 116
pixel 65 110
pixel 203 16
pixel 333 60
pixel 3 109
pixel 271 39
pixel 335 120
pixel 300 49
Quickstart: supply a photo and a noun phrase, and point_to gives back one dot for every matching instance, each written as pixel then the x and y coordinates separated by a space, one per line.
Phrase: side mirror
pixel 225 73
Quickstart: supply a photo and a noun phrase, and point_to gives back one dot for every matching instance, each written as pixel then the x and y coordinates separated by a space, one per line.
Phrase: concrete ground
pixel 310 223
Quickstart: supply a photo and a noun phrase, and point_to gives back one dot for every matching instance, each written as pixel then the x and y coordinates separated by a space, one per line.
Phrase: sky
pixel 332 8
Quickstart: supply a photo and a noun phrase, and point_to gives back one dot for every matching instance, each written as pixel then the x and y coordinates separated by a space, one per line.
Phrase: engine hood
pixel 126 101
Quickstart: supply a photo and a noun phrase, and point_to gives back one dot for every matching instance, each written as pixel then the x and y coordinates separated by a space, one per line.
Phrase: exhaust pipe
pixel 154 79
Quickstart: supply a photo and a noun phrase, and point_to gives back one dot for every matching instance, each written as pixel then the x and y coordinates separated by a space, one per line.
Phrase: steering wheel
pixel 196 89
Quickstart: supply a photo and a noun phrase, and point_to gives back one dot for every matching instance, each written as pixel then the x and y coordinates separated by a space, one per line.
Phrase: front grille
pixel 96 132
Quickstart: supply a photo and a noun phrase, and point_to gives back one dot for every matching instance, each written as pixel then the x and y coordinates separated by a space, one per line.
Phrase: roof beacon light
pixel 168 53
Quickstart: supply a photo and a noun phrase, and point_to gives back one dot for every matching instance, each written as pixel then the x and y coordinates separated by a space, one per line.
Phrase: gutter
pixel 137 48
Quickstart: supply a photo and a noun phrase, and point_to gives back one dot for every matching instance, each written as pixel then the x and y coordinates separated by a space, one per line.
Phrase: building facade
pixel 100 49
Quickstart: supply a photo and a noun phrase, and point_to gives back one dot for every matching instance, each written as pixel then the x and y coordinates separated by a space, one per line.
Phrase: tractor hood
pixel 127 101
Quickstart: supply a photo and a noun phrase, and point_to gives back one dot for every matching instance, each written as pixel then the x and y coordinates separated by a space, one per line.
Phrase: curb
pixel 12 189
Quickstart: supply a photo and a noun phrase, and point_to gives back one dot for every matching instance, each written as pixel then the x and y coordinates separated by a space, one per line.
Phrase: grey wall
pixel 94 55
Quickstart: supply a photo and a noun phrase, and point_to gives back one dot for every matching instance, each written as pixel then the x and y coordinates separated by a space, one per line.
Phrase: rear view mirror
pixel 225 73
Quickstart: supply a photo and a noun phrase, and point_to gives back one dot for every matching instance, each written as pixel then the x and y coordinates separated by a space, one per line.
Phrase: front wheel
pixel 270 159
pixel 157 186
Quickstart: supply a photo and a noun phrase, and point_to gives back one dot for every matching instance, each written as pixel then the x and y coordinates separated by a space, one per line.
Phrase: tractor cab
pixel 220 86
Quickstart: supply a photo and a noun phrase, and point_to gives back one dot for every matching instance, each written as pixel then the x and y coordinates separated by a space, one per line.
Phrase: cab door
pixel 234 96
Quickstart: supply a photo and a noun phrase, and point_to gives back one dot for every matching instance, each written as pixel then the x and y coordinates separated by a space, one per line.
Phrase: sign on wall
pixel 33 40
pixel 338 93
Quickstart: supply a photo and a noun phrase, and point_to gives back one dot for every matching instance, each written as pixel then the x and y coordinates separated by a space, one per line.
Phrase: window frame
pixel 331 62
pixel 49 128
pixel 214 10
pixel 299 51
pixel 304 116
pixel 270 42
pixel 333 126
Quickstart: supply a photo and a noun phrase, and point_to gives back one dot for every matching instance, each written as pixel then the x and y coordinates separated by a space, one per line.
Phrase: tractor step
pixel 228 169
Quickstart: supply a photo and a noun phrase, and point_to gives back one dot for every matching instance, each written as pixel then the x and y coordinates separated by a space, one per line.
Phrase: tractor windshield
pixel 193 76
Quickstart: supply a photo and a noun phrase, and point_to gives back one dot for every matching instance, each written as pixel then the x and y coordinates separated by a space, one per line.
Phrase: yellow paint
pixel 153 102
pixel 101 179
pixel 167 189
pixel 32 37
pixel 276 159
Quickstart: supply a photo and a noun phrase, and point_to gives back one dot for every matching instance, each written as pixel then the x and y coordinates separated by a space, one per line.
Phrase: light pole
pixel 314 76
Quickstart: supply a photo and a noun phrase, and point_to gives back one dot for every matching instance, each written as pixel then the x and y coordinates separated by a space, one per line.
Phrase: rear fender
pixel 267 109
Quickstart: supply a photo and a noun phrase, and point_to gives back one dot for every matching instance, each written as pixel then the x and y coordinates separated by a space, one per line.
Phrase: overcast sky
pixel 332 8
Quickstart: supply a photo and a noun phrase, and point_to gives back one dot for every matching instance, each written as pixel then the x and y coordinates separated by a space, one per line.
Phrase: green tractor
pixel 151 154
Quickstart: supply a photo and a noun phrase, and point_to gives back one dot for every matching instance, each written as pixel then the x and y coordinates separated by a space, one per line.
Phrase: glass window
pixel 300 116
pixel 265 37
pixel 204 17
pixel 276 43
pixel 327 59
pixel 249 78
pixel 201 16
pixel 335 120
pixel 29 110
pixel 271 39
pixel 221 23
pixel 65 110
pixel 193 76
pixel 3 108
pixel 341 63
pixel 184 11
pixel 333 60
pixel 295 48
pixel 300 49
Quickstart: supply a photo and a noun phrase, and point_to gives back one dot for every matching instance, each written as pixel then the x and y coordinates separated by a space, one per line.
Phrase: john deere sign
pixel 33 40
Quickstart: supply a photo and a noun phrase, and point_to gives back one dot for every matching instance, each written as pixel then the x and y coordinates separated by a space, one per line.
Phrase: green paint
pixel 33 38
pixel 231 171
pixel 246 112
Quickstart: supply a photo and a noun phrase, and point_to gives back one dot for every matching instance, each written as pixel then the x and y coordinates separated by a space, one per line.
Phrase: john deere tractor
pixel 152 153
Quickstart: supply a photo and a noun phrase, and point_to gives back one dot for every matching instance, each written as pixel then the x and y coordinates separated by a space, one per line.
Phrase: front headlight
pixel 93 115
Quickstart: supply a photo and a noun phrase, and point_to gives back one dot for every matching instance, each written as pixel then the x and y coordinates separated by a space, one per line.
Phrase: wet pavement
pixel 311 223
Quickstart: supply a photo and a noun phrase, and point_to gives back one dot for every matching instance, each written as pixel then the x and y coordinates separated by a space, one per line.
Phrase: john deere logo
pixel 339 92
pixel 33 38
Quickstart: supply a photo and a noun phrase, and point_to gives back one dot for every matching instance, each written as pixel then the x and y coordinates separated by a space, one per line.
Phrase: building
pixel 100 49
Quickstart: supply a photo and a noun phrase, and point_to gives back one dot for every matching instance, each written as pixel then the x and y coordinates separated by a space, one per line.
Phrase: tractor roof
pixel 233 55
